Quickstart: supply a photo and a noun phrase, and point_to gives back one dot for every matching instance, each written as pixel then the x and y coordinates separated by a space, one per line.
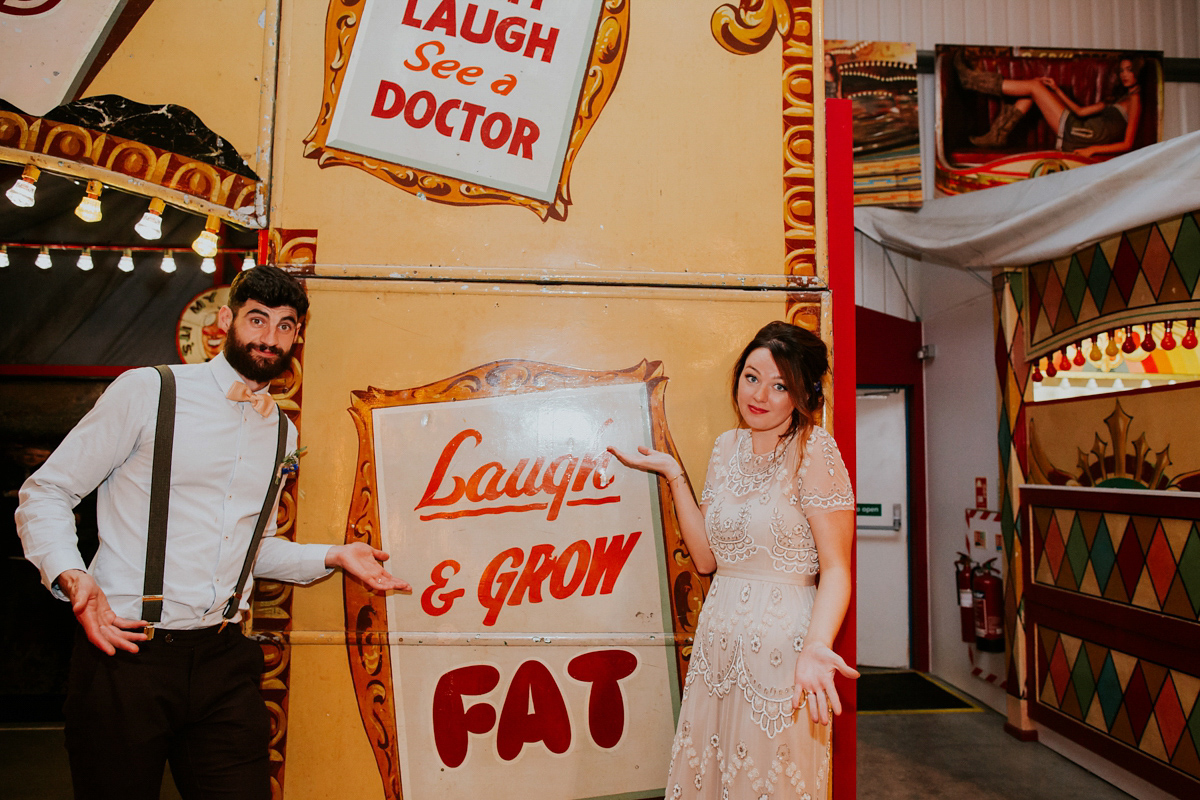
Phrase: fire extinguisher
pixel 966 604
pixel 988 595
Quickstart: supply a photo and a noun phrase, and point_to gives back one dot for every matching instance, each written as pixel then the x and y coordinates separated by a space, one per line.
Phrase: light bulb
pixel 150 225
pixel 43 260
pixel 206 243
pixel 248 262
pixel 168 262
pixel 3 256
pixel 126 262
pixel 85 261
pixel 208 266
pixel 88 209
pixel 21 192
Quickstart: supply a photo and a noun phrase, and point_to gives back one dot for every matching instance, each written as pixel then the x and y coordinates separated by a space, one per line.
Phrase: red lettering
pixel 488 24
pixel 446 599
pixel 409 17
pixel 530 488
pixel 560 588
pixel 604 669
pixel 444 69
pixel 493 140
pixel 538 42
pixel 494 585
pixel 510 42
pixel 443 18
pixel 423 61
pixel 452 721
pixel 537 569
pixel 491 481
pixel 526 134
pixel 557 486
pixel 439 472
pixel 473 111
pixel 410 115
pixel 608 561
pixel 439 121
pixel 383 108
pixel 489 493
pixel 534 711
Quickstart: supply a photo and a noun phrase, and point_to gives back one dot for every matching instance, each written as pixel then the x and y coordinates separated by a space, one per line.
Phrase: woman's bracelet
pixel 679 475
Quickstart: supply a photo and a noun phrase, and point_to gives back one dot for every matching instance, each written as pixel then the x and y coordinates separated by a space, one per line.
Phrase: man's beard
pixel 249 360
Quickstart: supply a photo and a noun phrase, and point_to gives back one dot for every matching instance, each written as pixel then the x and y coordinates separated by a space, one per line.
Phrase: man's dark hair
pixel 270 286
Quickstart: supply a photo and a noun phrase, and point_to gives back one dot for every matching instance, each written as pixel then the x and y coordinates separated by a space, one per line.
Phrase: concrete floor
pixel 938 756
pixel 964 756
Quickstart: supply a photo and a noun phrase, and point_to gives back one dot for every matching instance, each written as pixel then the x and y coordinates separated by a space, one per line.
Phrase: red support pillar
pixel 839 176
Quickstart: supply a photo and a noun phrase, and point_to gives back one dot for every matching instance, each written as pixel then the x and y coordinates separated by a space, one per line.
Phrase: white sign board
pixel 483 91
pixel 535 660
pixel 47 47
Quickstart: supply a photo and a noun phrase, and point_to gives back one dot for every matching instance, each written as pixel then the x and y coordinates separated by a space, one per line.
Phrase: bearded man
pixel 158 675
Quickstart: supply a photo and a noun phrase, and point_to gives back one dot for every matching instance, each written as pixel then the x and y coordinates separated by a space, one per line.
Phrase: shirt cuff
pixel 312 563
pixel 55 564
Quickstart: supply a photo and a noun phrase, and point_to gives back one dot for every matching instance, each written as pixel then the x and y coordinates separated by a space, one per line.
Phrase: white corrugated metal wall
pixel 1172 26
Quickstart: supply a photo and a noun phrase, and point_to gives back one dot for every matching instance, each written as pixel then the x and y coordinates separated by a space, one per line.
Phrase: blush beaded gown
pixel 738 738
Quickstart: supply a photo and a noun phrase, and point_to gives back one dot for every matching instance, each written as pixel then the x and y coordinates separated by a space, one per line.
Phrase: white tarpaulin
pixel 1047 217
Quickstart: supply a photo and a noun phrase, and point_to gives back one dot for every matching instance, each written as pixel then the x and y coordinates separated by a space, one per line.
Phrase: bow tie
pixel 262 403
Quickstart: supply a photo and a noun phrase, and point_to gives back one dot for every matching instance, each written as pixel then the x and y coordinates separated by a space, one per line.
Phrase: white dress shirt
pixel 222 463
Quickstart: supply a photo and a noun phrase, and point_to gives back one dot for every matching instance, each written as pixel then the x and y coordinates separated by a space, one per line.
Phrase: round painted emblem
pixel 198 338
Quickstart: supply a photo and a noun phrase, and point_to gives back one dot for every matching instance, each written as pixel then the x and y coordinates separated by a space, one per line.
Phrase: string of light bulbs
pixel 23 194
pixel 84 261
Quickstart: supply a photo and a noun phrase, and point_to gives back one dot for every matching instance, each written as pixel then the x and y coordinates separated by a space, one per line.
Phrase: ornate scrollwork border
pixel 366 612
pixel 604 67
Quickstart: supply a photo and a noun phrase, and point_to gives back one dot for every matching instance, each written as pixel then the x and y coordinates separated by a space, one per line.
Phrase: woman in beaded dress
pixel 777 508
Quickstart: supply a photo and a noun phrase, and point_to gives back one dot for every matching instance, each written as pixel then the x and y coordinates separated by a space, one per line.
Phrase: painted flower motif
pixel 291 464
pixel 699 782
pixel 776 657
pixel 798 643
pixel 715 741
pixel 677 792
pixel 755 643
pixel 742 750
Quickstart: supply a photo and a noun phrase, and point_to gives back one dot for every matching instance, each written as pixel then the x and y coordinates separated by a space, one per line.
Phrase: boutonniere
pixel 291 464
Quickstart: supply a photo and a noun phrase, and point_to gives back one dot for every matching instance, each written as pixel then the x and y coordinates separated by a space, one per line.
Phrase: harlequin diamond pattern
pixel 1153 267
pixel 1148 562
pixel 1138 702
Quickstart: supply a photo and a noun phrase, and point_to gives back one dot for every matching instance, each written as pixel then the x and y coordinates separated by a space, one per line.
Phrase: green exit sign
pixel 870 510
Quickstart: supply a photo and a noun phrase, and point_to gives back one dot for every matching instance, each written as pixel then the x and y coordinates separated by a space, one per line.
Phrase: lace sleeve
pixel 711 479
pixel 824 482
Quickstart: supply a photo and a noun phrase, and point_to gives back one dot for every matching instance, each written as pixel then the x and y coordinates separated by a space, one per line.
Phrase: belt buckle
pixel 149 631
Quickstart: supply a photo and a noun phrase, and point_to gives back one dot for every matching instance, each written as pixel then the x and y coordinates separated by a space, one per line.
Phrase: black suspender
pixel 267 507
pixel 160 499
pixel 160 496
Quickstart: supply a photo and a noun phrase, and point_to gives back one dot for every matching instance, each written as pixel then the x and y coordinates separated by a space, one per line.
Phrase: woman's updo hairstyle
pixel 802 359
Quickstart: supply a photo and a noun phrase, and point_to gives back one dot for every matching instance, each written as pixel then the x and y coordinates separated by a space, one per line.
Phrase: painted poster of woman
pixel 1006 113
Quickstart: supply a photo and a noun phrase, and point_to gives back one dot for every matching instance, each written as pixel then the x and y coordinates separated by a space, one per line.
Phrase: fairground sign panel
pixel 537 656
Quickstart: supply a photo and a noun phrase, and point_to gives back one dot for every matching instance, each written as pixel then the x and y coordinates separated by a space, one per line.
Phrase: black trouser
pixel 188 697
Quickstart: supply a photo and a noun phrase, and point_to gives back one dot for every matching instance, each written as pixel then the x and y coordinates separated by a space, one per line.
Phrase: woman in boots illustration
pixel 1105 128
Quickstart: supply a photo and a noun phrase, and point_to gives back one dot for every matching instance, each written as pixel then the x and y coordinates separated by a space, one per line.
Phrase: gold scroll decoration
pixel 604 67
pixel 748 27
pixel 366 611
